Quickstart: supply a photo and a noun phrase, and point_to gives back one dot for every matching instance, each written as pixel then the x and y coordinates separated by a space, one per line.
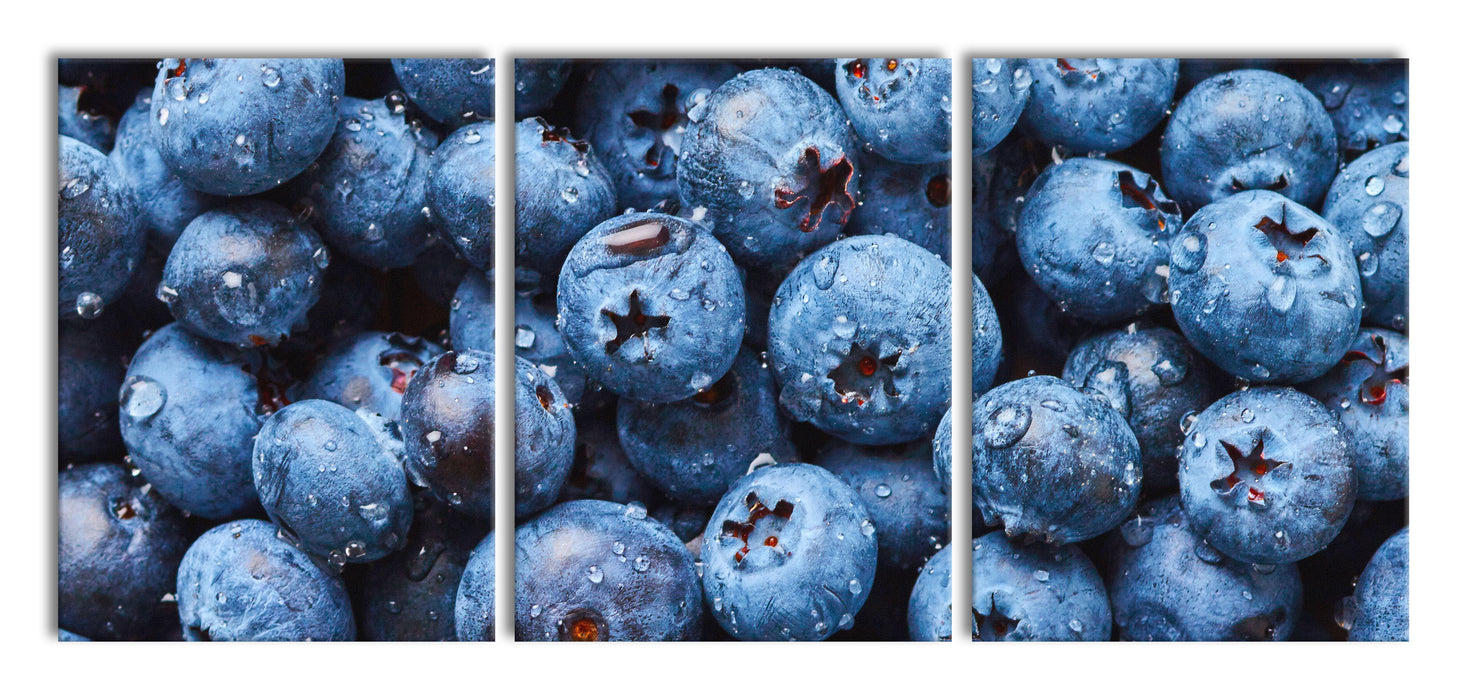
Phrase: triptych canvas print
pixel 1179 333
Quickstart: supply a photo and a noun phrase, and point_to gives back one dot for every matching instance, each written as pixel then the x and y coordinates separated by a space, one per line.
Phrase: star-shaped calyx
pixel 633 323
pixel 1248 471
pixel 862 372
pixel 822 187
pixel 761 528
pixel 1374 386
pixel 1135 196
pixel 1288 243
pixel 995 626
pixel 668 118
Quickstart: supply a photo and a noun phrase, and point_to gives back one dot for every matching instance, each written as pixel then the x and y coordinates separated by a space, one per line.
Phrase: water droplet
pixel 1246 416
pixel 678 294
pixel 1053 405
pixel 1367 263
pixel 1381 218
pixel 1041 575
pixel 570 194
pixel 1375 185
pixel 270 77
pixel 883 490
pixel 1137 531
pixel 594 574
pixel 824 272
pixel 1189 253
pixel 867 528
pixel 1207 553
pixel 142 398
pixel 88 305
pixel 1281 293
pixel 352 124
pixel 472 137
pixel 1392 124
pixel 524 337
pixel 854 586
pixel 618 548
pixel 1076 626
pixel 75 187
pixel 355 550
pixel 635 510
pixel 466 364
pixel 1006 426
pixel 232 280
pixel 640 564
pixel 373 512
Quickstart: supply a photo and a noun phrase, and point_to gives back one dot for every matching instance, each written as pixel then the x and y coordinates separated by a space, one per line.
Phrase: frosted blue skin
pixel 816 576
pixel 770 161
pixel 369 188
pixel 1098 104
pixel 545 439
pixel 1255 315
pixel 1218 143
pixel 240 126
pixel 682 279
pixel 239 582
pixel 331 483
pixel 537 82
pixel 245 274
pixel 900 108
pixel 1001 89
pixel 165 203
pixel 1052 464
pixel 411 595
pixel 471 326
pixel 1378 226
pixel 1368 392
pixel 900 490
pixel 930 607
pixel 562 191
pixel 694 449
pixel 1093 234
pixel 100 237
pixel 1368 103
pixel 89 371
pixel 190 409
pixel 448 89
pixel 635 113
pixel 119 546
pixel 1301 500
pixel 474 602
pixel 1167 584
pixel 1381 609
pixel 609 568
pixel 1037 593
pixel 908 201
pixel 369 370
pixel 891 299
pixel 461 192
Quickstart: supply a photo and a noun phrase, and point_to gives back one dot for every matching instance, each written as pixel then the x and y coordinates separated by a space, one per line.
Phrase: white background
pixel 1426 33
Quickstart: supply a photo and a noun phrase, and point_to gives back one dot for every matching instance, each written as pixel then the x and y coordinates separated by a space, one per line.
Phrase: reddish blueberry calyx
pixel 582 625
pixel 1137 196
pixel 543 393
pixel 1248 470
pixel 828 186
pixel 939 191
pixel 178 70
pixel 552 134
pixel 124 510
pixel 993 627
pixel 1373 387
pixel 402 364
pixel 856 68
pixel 863 372
pixel 269 389
pixel 634 323
pixel 1288 244
pixel 1079 67
pixel 668 117
pixel 761 518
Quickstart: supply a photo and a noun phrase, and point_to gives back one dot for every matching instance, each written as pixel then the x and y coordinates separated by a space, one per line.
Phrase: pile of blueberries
pixel 732 340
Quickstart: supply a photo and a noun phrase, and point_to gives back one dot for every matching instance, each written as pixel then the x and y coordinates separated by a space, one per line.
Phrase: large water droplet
pixel 1006 426
pixel 825 271
pixel 524 337
pixel 465 364
pixel 88 305
pixel 142 398
pixel 1380 219
pixel 75 187
pixel 1189 253
pixel 1375 185
pixel 1281 293
pixel 270 77
pixel 594 574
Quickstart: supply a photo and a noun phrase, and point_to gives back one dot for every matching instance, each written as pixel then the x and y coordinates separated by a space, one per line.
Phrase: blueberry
pixel 900 108
pixel 1098 104
pixel 1094 235
pixel 1266 475
pixel 245 274
pixel 450 90
pixel 545 439
pixel 930 607
pixel 1167 584
pixel 1192 71
pixel 651 306
pixel 1367 204
pixel 1367 103
pixel 461 192
pixel 89 371
pixel 1367 391
pixel 589 571
pixel 439 270
pixel 907 201
pixel 471 327
pixel 634 115
pixel 119 549
pixel 1248 130
pixel 368 190
pixel 561 191
pixel 693 449
pixel 99 230
pixel 190 410
pixel 1001 89
pixel 448 430
pixel 537 82
pixel 369 370
pixel 1001 182
pixel 1153 378
pixel 239 582
pixel 1052 464
pixel 1379 605
pixel 1036 593
pixel 76 119
pixel 411 594
pixel 349 302
pixel 769 159
pixel 860 340
pixel 1265 288
pixel 238 126
pixel 900 491
pixel 791 554
pixel 165 204
pixel 474 596
pixel 330 483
